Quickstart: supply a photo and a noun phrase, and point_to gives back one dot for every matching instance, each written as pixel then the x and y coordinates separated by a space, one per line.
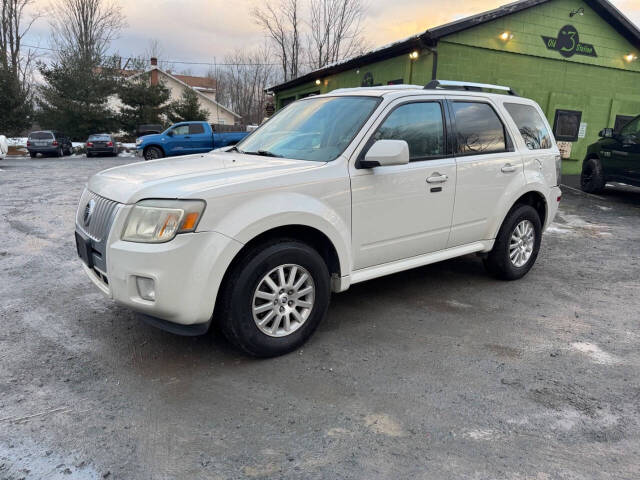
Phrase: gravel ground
pixel 436 373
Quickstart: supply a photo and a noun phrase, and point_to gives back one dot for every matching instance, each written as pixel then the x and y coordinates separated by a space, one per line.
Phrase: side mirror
pixel 170 133
pixel 606 133
pixel 384 153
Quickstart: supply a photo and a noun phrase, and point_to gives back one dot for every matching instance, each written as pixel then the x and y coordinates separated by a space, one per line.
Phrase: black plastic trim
pixel 176 328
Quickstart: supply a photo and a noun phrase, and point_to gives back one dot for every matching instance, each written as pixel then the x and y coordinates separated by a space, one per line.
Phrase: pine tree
pixel 188 108
pixel 15 104
pixel 142 104
pixel 74 98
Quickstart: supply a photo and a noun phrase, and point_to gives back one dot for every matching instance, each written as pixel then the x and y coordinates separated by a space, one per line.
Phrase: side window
pixel 196 128
pixel 530 124
pixel 567 125
pixel 621 121
pixel 631 129
pixel 420 125
pixel 479 129
pixel 181 130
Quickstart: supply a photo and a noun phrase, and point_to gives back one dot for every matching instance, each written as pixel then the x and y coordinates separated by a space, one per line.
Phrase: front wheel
pixel 153 153
pixel 517 244
pixel 275 298
pixel 592 177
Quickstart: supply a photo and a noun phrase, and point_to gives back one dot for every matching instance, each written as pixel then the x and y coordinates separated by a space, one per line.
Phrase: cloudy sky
pixel 204 30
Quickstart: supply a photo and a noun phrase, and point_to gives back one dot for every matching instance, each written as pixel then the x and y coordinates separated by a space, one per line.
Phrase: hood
pixel 187 176
pixel 152 137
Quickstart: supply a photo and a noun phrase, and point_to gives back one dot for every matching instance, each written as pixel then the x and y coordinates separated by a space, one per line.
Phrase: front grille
pixel 101 216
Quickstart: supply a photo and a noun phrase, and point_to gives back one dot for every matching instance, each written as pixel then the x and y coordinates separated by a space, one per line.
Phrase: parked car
pixel 613 158
pixel 49 142
pixel 185 138
pixel 101 144
pixel 4 147
pixel 148 129
pixel 334 190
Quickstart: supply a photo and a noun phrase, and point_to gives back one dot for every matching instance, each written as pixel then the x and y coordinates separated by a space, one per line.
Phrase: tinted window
pixel 621 121
pixel 420 125
pixel 631 129
pixel 181 130
pixel 196 128
pixel 479 130
pixel 531 126
pixel 41 136
pixel 316 128
pixel 567 125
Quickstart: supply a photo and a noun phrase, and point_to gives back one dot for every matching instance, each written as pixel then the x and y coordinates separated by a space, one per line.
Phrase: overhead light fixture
pixel 631 57
pixel 579 11
pixel 414 55
pixel 318 82
pixel 506 36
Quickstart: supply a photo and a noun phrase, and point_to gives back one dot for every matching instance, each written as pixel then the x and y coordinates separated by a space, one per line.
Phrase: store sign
pixel 568 43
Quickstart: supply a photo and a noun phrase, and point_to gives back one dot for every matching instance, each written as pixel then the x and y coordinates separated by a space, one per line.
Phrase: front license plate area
pixel 83 246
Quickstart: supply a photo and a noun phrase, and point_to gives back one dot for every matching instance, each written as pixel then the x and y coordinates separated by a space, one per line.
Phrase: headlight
pixel 158 221
pixel 138 141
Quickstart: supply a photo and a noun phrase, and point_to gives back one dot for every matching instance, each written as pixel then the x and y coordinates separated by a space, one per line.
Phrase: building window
pixel 479 129
pixel 621 121
pixel 420 125
pixel 529 122
pixel 567 125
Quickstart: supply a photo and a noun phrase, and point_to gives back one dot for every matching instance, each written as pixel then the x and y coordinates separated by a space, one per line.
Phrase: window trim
pixel 551 135
pixel 566 138
pixel 445 127
pixel 508 142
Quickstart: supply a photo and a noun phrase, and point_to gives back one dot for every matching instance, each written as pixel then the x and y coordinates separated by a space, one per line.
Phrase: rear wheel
pixel 275 298
pixel 60 152
pixel 517 244
pixel 33 154
pixel 153 153
pixel 89 154
pixel 592 177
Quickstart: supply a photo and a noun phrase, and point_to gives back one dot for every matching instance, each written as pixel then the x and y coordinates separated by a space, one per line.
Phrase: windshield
pixel 317 129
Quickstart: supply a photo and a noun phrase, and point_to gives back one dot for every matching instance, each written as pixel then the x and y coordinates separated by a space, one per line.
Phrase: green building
pixel 579 59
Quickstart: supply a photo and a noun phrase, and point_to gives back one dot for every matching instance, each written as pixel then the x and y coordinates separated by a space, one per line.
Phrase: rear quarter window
pixel 196 128
pixel 530 125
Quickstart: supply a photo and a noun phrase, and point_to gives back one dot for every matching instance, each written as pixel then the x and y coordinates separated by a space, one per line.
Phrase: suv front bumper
pixel 186 274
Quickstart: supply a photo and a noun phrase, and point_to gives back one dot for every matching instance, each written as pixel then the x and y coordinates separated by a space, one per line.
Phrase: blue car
pixel 185 138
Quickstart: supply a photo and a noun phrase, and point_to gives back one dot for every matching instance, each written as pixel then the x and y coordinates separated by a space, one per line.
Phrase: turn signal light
pixel 190 221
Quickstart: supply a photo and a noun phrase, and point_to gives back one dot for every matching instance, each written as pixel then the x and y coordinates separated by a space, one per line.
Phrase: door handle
pixel 437 178
pixel 508 168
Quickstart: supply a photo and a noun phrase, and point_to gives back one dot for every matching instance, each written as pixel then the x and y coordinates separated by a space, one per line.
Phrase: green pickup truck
pixel 613 158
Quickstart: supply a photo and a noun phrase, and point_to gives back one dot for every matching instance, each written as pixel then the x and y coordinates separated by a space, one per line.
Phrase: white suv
pixel 333 190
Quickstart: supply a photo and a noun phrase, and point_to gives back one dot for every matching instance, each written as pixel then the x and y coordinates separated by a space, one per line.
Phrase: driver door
pixel 402 211
pixel 178 141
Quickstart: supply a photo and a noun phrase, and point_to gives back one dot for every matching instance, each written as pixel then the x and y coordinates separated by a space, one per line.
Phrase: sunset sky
pixel 201 30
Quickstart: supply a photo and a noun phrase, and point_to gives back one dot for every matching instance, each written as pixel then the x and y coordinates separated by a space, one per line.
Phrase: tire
pixel 33 154
pixel 89 154
pixel 153 153
pixel 60 152
pixel 499 262
pixel 240 297
pixel 592 177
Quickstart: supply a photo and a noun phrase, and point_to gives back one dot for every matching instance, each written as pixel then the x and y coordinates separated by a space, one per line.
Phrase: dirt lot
pixel 436 373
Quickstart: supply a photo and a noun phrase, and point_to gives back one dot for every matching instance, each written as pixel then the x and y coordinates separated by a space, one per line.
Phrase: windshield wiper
pixel 263 153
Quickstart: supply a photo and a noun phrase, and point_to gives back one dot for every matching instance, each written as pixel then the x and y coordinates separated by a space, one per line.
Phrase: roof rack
pixel 474 87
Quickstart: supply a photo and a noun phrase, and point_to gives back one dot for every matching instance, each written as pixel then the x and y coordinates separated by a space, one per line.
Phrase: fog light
pixel 146 288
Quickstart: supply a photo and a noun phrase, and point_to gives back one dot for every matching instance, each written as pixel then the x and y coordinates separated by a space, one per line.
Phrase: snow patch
pixel 559 230
pixel 383 424
pixel 595 353
pixel 480 434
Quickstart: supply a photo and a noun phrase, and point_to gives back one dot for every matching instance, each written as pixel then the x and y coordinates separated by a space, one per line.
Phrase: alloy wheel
pixel 521 243
pixel 283 300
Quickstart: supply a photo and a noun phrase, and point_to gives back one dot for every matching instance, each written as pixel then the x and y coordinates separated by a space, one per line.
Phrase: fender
pixel 510 199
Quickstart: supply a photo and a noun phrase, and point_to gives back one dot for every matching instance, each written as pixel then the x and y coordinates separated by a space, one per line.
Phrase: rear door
pixel 402 211
pixel 488 166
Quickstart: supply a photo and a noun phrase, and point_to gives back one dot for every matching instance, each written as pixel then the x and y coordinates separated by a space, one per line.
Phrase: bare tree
pixel 16 66
pixel 241 84
pixel 335 30
pixel 282 22
pixel 86 27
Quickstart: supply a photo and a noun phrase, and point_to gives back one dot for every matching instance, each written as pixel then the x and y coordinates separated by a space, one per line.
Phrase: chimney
pixel 154 71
